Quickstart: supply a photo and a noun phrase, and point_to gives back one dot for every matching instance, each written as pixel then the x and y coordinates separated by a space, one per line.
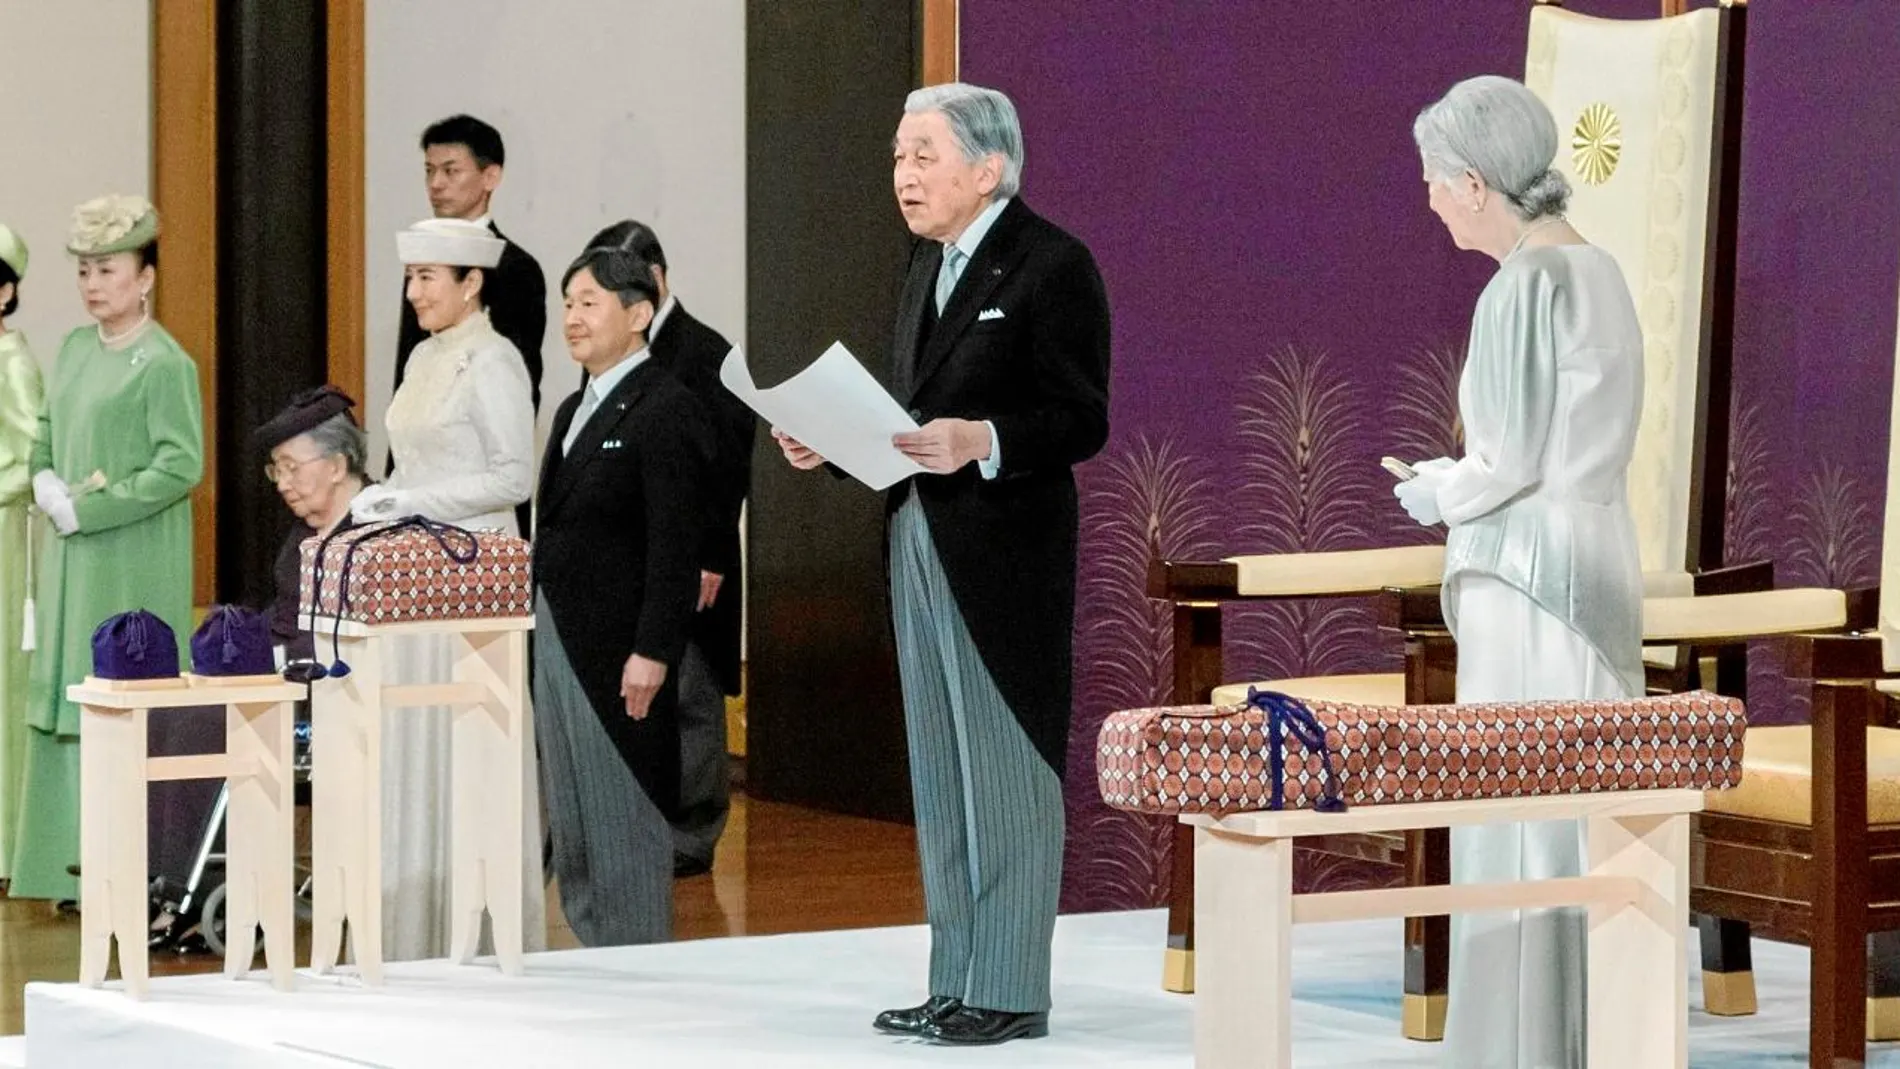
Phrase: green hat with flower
pixel 113 223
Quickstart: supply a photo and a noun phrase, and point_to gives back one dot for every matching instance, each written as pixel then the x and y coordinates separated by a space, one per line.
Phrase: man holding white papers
pixel 1002 355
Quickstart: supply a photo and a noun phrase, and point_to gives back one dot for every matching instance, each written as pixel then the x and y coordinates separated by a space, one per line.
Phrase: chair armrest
pixel 1412 610
pixel 1171 580
pixel 1836 657
pixel 1339 574
pixel 1736 579
pixel 1729 618
pixel 1863 608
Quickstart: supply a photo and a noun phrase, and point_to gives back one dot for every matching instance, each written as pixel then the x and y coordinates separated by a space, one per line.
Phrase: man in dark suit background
pixel 1002 354
pixel 462 159
pixel 616 575
pixel 692 352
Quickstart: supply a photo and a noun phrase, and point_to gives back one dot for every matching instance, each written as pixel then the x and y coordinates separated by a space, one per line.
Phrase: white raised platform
pixel 789 1002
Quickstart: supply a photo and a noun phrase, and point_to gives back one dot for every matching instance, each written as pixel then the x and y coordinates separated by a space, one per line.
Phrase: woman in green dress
pixel 119 448
pixel 19 416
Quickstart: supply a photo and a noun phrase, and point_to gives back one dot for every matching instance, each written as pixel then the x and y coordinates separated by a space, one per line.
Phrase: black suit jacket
pixel 616 554
pixel 1024 343
pixel 692 352
pixel 516 295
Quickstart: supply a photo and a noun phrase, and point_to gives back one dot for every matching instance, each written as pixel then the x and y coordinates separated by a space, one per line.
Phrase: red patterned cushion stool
pixel 362 587
pixel 1252 778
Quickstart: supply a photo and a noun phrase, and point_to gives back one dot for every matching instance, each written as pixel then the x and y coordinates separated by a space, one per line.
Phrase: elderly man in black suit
pixel 692 351
pixel 462 160
pixel 616 575
pixel 1002 353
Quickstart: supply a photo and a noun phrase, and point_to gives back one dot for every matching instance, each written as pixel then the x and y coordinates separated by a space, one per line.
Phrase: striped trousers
pixel 989 808
pixel 613 850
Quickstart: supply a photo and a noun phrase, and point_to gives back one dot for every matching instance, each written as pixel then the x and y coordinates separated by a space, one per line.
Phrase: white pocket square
pixel 612 443
pixel 989 314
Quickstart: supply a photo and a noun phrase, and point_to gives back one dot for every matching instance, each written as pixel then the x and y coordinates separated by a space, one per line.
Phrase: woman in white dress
pixel 1543 589
pixel 461 437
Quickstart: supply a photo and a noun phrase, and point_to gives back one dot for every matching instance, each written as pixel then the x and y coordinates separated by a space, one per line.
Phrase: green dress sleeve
pixel 42 440
pixel 20 400
pixel 175 426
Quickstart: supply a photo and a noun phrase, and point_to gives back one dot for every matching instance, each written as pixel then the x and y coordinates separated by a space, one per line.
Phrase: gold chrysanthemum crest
pixel 1596 144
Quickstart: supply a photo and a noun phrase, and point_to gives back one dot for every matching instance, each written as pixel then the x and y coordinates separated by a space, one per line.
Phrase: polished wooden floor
pixel 779 868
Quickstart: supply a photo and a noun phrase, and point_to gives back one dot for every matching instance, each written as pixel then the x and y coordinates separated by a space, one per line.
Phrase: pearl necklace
pixel 109 340
pixel 1528 231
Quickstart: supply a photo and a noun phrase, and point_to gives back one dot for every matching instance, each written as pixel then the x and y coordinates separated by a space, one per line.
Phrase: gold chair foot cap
pixel 1423 1017
pixel 1177 971
pixel 1732 994
pixel 1883 1019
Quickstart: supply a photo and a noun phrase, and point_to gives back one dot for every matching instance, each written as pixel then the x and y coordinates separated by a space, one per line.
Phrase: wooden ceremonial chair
pixel 1651 113
pixel 1807 849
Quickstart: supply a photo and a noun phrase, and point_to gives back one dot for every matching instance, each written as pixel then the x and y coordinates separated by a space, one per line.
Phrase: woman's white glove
pixel 51 496
pixel 379 503
pixel 1419 494
pixel 48 488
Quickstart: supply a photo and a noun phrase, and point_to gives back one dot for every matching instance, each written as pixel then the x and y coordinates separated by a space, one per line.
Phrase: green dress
pixel 20 398
pixel 132 415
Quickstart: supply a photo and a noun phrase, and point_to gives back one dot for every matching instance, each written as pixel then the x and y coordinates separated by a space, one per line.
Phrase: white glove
pixel 1419 495
pixel 60 511
pixel 52 497
pixel 379 503
pixel 48 488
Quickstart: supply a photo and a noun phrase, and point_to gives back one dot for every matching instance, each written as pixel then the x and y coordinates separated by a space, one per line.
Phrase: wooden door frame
pixel 185 189
pixel 939 52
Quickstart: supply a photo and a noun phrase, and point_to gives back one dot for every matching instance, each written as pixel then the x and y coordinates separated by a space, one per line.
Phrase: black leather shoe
pixel 970 1026
pixel 913 1021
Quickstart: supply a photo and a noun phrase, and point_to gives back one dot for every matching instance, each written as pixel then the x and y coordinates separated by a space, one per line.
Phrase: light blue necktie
pixel 589 402
pixel 953 261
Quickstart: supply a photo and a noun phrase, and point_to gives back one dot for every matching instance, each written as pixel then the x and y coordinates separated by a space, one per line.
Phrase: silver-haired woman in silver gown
pixel 1543 589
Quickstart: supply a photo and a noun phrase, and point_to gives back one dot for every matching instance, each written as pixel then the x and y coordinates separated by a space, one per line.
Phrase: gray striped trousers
pixel 989 808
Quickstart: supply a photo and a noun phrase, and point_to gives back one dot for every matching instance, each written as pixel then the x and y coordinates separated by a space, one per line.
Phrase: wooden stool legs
pixel 493 751
pixel 1636 888
pixel 491 755
pixel 114 772
pixel 258 833
pixel 1639 949
pixel 346 786
pixel 114 877
pixel 1243 893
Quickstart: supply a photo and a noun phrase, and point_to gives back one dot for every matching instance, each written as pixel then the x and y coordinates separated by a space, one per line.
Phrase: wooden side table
pixel 493 736
pixel 114 877
pixel 1637 889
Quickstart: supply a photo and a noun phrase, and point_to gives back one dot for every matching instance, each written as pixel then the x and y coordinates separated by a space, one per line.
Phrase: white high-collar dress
pixel 461 437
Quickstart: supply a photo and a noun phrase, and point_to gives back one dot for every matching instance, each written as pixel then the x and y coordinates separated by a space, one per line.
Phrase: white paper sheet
pixel 835 408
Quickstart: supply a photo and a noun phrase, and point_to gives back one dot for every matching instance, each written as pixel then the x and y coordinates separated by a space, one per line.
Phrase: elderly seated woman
pixel 315 455
pixel 316 460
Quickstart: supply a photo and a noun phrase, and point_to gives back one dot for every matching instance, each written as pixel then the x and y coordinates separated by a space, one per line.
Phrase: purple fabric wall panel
pixel 1287 310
